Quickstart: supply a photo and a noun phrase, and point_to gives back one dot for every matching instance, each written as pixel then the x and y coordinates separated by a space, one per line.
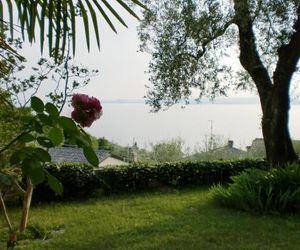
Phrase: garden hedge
pixel 80 180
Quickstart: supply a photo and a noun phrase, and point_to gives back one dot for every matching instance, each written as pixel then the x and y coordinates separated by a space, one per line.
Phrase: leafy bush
pixel 261 191
pixel 78 180
pixel 81 180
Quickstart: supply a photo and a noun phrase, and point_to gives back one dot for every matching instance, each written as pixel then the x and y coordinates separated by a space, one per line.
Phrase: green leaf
pixel 27 138
pixel 58 29
pixel 42 24
pixel 81 141
pixel 17 157
pixel 91 156
pixel 139 4
pixel 33 169
pixel 42 155
pixel 126 7
pixel 11 18
pixel 45 142
pixel 50 25
pixel 66 18
pixel 46 119
pixel 106 16
pixel 37 127
pixel 73 24
pixel 55 184
pixel 86 23
pixel 37 175
pixel 31 20
pixel 51 109
pixel 5 179
pixel 37 104
pixel 67 123
pixel 21 154
pixel 1 23
pixel 95 23
pixel 56 136
pixel 114 12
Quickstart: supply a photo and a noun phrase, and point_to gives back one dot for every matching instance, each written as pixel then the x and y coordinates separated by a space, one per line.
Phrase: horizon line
pixel 218 100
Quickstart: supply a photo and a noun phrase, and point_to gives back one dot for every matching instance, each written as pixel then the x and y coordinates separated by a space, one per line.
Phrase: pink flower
pixel 86 109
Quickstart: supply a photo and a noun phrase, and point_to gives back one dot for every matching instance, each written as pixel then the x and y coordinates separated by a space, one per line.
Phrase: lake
pixel 124 123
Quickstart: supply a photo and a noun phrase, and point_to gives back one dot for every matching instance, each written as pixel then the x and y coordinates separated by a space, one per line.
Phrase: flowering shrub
pixel 46 129
pixel 86 109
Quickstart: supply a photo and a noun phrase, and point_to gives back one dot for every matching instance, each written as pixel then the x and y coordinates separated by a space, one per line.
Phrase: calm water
pixel 123 123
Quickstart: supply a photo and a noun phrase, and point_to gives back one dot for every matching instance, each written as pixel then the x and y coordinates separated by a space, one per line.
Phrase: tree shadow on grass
pixel 200 226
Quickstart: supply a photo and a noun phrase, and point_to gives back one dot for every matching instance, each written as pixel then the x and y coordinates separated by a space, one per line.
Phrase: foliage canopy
pixel 194 43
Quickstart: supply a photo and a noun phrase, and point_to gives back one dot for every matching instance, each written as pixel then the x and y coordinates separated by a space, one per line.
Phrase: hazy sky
pixel 121 67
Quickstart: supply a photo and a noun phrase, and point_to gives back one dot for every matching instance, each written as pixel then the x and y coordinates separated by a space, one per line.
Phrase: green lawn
pixel 179 220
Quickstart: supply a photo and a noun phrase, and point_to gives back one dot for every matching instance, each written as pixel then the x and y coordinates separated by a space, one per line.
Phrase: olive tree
pixel 193 42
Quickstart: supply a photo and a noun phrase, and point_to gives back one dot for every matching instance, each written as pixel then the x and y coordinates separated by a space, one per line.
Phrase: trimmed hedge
pixel 78 181
pixel 81 180
pixel 143 177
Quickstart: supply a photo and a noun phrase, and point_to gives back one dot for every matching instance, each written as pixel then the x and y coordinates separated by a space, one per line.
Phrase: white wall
pixel 112 161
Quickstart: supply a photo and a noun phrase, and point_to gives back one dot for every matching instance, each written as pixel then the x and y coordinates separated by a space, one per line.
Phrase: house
pixel 227 152
pixel 257 148
pixel 74 154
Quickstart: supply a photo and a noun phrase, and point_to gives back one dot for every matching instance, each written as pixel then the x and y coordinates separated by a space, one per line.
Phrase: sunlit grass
pixel 179 220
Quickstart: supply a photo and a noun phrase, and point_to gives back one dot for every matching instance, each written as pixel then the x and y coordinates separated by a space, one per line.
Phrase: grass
pixel 179 220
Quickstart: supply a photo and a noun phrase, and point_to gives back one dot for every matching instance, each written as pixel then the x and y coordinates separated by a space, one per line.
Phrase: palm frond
pixel 60 17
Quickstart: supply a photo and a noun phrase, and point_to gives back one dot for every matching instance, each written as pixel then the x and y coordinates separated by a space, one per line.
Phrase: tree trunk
pixel 278 143
pixel 5 214
pixel 26 206
pixel 273 93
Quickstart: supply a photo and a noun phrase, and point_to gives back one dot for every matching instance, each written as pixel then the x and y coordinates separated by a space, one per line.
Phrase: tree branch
pixel 5 214
pixel 17 186
pixel 288 56
pixel 249 56
pixel 218 33
pixel 66 67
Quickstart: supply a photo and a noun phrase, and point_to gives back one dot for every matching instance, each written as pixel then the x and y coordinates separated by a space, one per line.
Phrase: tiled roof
pixel 72 154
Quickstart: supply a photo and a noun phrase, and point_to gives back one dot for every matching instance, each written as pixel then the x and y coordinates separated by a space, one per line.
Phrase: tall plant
pixel 47 128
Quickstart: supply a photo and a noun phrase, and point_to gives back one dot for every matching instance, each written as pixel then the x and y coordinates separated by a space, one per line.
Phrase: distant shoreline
pixel 221 100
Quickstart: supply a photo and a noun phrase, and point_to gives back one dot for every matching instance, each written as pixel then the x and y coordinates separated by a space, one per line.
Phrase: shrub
pixel 81 180
pixel 179 174
pixel 262 192
pixel 78 180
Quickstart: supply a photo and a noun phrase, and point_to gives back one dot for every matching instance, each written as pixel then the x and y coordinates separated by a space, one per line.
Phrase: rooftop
pixel 73 154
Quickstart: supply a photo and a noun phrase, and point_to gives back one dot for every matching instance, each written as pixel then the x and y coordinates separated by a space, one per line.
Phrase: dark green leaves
pixel 32 168
pixel 51 109
pixel 37 175
pixel 91 156
pixel 37 104
pixel 27 138
pixel 42 155
pixel 5 179
pixel 45 142
pixel 45 119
